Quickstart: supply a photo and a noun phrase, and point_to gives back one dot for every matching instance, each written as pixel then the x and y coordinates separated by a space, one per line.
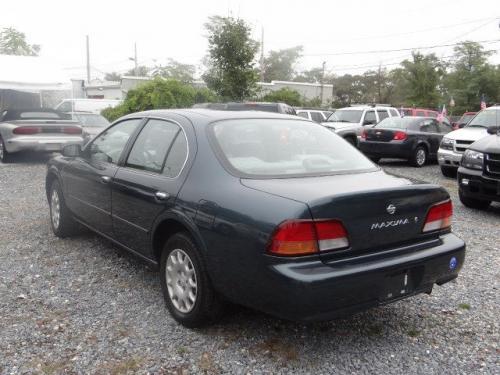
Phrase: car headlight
pixel 473 159
pixel 447 144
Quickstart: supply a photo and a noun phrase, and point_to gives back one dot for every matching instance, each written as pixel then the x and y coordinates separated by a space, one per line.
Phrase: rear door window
pixel 316 116
pixel 303 114
pixel 382 114
pixel 370 118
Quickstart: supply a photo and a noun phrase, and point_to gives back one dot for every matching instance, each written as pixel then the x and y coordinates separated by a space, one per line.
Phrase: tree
pixel 159 94
pixel 231 52
pixel 13 42
pixel 313 75
pixel 175 70
pixel 142 71
pixel 280 65
pixel 112 76
pixel 471 76
pixel 423 75
pixel 284 95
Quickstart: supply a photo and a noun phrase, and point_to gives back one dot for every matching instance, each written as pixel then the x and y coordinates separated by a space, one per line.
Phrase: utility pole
pixel 262 56
pixel 88 61
pixel 323 81
pixel 136 67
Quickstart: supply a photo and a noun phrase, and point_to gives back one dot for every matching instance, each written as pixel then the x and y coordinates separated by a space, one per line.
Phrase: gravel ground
pixel 82 305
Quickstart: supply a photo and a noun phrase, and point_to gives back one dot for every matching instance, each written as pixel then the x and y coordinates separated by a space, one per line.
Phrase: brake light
pixel 27 130
pixel 72 130
pixel 400 136
pixel 303 237
pixel 363 135
pixel 439 217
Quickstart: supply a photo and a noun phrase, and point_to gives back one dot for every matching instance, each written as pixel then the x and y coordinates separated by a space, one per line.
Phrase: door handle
pixel 105 179
pixel 161 196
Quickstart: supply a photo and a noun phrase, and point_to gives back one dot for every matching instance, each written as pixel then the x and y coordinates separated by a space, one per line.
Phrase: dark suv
pixel 479 172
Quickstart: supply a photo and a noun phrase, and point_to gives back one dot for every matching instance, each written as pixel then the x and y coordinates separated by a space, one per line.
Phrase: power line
pixel 396 50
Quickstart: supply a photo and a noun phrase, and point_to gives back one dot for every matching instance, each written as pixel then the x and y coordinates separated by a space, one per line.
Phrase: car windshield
pixel 485 119
pixel 280 148
pixel 346 115
pixel 466 118
pixel 91 120
pixel 395 123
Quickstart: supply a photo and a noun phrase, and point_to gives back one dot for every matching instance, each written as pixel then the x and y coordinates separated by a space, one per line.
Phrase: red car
pixel 464 120
pixel 419 112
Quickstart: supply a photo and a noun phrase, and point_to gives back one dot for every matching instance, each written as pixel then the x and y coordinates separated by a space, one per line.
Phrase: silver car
pixel 38 129
pixel 91 123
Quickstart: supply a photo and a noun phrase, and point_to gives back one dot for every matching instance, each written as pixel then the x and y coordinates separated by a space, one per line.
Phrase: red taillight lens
pixel 363 135
pixel 27 130
pixel 439 217
pixel 72 130
pixel 400 136
pixel 302 237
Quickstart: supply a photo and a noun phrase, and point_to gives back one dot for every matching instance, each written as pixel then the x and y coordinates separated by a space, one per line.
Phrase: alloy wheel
pixel 420 157
pixel 55 209
pixel 181 281
pixel 1 150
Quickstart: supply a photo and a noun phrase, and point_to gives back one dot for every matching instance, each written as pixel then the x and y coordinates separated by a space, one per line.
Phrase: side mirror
pixel 494 130
pixel 72 151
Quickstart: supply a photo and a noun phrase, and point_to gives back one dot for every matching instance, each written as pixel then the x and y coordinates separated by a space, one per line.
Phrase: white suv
pixel 455 143
pixel 313 114
pixel 349 122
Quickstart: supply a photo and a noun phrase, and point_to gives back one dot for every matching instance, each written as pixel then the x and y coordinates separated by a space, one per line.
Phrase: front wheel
pixel 473 203
pixel 61 220
pixel 419 157
pixel 186 287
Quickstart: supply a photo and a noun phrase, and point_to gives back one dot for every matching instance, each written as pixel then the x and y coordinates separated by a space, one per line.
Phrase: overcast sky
pixel 174 29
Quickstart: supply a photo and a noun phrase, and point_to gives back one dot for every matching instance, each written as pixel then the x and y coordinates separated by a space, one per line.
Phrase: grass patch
pixel 464 306
pixel 413 332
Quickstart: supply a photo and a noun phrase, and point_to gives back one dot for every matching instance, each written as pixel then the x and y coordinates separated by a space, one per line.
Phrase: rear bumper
pixel 40 143
pixel 449 158
pixel 392 149
pixel 313 290
pixel 478 186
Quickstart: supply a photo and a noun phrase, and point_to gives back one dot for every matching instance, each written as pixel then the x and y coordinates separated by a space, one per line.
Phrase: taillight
pixel 400 136
pixel 72 130
pixel 27 130
pixel 363 135
pixel 439 217
pixel 302 237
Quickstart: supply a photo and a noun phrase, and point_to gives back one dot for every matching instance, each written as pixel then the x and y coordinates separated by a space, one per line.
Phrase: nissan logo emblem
pixel 391 209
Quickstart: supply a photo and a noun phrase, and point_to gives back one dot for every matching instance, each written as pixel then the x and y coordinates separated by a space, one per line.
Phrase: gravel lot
pixel 82 305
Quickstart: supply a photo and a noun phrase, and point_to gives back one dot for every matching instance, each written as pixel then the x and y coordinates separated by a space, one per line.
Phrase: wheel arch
pixel 52 175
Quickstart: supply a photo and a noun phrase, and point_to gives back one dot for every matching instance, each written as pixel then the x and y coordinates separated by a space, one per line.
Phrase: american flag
pixel 483 102
pixel 441 114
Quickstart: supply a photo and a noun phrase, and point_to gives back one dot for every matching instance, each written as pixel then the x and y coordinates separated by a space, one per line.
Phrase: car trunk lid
pixel 380 135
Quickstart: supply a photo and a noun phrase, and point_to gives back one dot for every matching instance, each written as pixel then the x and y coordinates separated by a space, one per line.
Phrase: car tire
pixel 473 203
pixel 449 172
pixel 5 156
pixel 187 289
pixel 61 220
pixel 419 157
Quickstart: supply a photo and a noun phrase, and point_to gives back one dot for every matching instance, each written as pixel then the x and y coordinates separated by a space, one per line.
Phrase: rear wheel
pixel 473 203
pixel 5 156
pixel 419 157
pixel 449 172
pixel 61 220
pixel 186 287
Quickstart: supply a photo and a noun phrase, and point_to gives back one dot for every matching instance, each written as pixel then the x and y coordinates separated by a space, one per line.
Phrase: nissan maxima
pixel 265 210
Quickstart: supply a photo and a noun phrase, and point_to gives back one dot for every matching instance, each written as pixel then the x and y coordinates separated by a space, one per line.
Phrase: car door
pixel 87 179
pixel 432 135
pixel 148 182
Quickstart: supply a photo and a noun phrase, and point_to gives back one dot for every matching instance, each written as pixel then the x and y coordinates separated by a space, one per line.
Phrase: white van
pixel 86 105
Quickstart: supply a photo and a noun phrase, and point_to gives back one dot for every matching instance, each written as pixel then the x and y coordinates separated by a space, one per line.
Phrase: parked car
pixel 464 119
pixel 479 172
pixel 86 105
pixel 418 112
pixel 35 129
pixel 265 210
pixel 91 123
pixel 249 106
pixel 316 115
pixel 455 143
pixel 416 139
pixel 349 122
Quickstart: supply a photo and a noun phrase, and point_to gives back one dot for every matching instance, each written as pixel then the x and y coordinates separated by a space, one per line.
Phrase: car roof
pixel 362 107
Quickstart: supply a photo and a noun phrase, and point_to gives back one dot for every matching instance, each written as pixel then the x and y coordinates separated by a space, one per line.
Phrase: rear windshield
pixel 396 123
pixel 271 148
pixel 91 120
pixel 485 119
pixel 346 115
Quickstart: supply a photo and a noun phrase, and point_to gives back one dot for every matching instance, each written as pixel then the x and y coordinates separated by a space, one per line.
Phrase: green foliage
pixel 231 73
pixel 13 42
pixel 142 71
pixel 175 70
pixel 159 94
pixel 279 65
pixel 313 75
pixel 112 76
pixel 284 95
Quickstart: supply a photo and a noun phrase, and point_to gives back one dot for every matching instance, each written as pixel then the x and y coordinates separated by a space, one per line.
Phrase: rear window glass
pixel 279 148
pixel 395 123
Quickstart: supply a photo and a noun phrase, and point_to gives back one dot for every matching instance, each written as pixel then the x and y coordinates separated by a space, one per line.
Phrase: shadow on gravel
pixel 31 158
